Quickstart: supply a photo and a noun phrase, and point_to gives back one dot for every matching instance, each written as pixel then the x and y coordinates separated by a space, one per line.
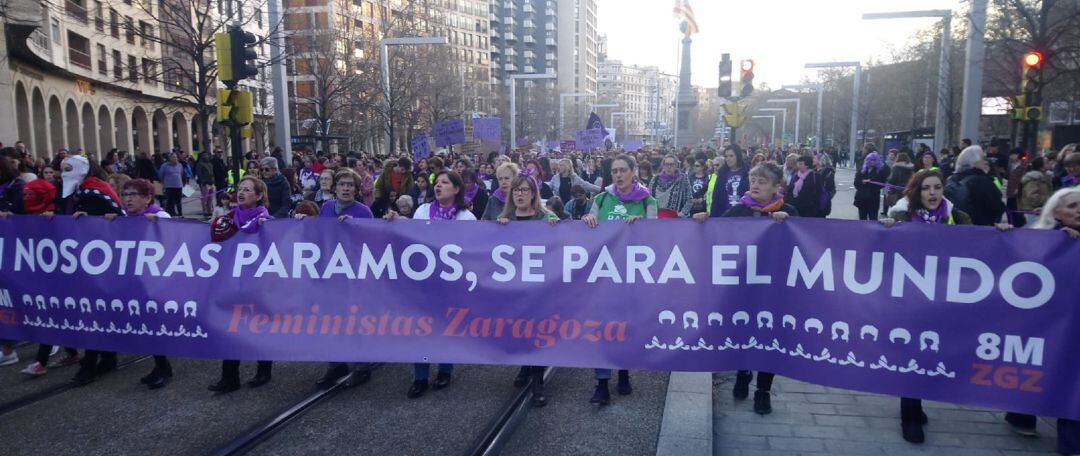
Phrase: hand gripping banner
pixel 957 314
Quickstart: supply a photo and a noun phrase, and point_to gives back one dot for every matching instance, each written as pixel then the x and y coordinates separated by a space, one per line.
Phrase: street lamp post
pixel 798 111
pixel 783 121
pixel 772 133
pixel 562 104
pixel 513 100
pixel 385 51
pixel 820 91
pixel 943 72
pixel 852 141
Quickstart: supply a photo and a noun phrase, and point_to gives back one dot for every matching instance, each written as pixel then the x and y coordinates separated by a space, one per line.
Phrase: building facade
pixel 91 75
pixel 645 93
pixel 578 53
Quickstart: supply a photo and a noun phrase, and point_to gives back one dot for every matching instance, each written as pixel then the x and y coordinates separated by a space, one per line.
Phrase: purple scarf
pixel 873 160
pixel 1070 181
pixel 637 193
pixel 499 195
pixel 437 212
pixel 747 201
pixel 247 220
pixel 151 209
pixel 801 178
pixel 939 215
pixel 471 193
pixel 667 179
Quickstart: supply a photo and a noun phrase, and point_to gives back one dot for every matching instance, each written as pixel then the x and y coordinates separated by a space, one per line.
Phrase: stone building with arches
pixel 77 78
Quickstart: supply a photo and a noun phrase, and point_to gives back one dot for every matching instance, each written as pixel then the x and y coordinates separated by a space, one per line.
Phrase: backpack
pixel 957 191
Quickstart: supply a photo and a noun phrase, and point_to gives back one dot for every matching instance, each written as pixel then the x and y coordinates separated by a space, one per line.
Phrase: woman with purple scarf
pixel 624 200
pixel 504 176
pixel 137 195
pixel 868 194
pixel 449 205
pixel 671 188
pixel 248 216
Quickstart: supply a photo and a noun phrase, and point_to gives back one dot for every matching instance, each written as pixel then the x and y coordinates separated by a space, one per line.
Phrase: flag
pixel 685 14
pixel 594 122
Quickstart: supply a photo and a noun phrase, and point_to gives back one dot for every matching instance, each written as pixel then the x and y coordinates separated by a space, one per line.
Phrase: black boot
pixel 359 376
pixel 225 385
pixel 623 386
pixel 912 431
pixel 442 380
pixel 522 377
pixel 418 388
pixel 742 384
pixel 107 362
pixel 601 396
pixel 762 402
pixel 538 397
pixel 333 373
pixel 161 380
pixel 262 374
pixel 85 376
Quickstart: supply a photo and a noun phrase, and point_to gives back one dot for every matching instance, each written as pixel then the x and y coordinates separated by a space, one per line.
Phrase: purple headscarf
pixel 872 160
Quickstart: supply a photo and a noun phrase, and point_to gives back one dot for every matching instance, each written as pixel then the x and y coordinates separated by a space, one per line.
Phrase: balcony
pixel 550 12
pixel 550 56
pixel 509 36
pixel 510 67
pixel 509 21
pixel 511 52
pixel 495 18
pixel 550 42
pixel 529 69
pixel 530 55
pixel 76 11
pixel 79 58
pixel 528 8
pixel 529 39
pixel 528 24
pixel 550 26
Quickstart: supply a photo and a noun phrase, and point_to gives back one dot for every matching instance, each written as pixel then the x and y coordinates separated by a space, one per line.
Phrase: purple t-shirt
pixel 357 210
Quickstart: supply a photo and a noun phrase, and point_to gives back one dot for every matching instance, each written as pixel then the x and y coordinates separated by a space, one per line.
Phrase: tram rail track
pixel 56 390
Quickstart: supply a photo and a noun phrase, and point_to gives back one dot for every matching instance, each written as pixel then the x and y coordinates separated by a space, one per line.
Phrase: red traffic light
pixel 747 65
pixel 1033 59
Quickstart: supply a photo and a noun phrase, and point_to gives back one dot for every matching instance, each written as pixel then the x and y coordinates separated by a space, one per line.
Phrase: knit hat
pixel 39 196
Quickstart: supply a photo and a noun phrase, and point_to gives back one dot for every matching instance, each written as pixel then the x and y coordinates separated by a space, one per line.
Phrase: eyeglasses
pixel 268 169
pixel 523 190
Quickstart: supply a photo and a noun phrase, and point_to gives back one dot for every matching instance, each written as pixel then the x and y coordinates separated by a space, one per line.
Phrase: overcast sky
pixel 780 35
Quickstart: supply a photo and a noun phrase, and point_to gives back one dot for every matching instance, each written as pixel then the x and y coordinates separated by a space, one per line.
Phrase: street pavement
pixel 813 419
pixel 117 416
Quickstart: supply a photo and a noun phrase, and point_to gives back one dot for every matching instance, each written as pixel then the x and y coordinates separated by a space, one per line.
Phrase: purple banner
pixel 589 139
pixel 420 146
pixel 487 128
pixel 568 146
pixel 915 310
pixel 633 145
pixel 449 133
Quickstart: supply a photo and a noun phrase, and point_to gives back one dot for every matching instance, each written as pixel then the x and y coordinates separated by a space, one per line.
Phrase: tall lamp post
pixel 943 71
pixel 385 51
pixel 852 141
pixel 820 91
pixel 783 121
pixel 772 133
pixel 798 112
pixel 514 78
pixel 562 105
pixel 626 123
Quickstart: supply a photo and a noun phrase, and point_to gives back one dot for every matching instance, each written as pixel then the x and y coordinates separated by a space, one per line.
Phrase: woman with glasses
pixel 624 200
pixel 671 188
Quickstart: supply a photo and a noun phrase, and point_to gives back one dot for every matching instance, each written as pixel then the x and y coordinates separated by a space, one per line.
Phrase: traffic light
pixel 1031 75
pixel 724 89
pixel 1033 113
pixel 235 57
pixel 734 114
pixel 235 107
pixel 746 73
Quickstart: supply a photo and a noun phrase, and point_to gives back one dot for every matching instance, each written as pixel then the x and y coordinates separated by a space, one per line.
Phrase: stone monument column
pixel 686 100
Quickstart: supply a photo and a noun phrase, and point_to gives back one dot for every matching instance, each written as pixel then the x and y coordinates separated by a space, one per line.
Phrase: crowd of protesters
pixel 955 186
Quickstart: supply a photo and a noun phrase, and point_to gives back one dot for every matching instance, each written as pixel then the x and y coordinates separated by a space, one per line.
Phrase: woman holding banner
pixel 763 199
pixel 524 205
pixel 449 204
pixel 671 188
pixel 504 176
pixel 248 216
pixel 625 199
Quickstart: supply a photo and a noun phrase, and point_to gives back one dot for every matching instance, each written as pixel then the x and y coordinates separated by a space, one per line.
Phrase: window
pixel 102 63
pixel 99 16
pixel 258 17
pixel 149 70
pixel 118 66
pixel 78 50
pixel 129 28
pixel 146 31
pixel 133 69
pixel 56 30
pixel 114 23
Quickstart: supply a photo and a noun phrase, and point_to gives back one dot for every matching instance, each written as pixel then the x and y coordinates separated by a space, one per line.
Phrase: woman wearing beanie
pixel 763 199
pixel 868 194
pixel 624 200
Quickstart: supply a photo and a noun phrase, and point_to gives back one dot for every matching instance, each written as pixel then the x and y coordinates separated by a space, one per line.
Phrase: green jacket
pixel 709 192
pixel 607 206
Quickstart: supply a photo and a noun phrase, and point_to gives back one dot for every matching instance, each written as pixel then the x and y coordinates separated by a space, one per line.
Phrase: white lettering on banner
pixel 529 261
pixel 574 257
pixel 676 268
pixel 455 266
pixel 604 268
pixel 246 254
pixel 822 269
pixel 877 260
pixel 124 247
pixel 106 252
pixel 719 264
pixel 70 265
pixel 635 267
pixel 956 269
pixel 305 255
pixel 429 260
pixel 207 255
pixel 1046 290
pixel 271 263
pixel 924 282
pixel 752 277
pixel 378 268
pixel 498 255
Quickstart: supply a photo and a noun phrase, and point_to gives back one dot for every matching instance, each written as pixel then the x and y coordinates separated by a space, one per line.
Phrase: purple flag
pixel 589 139
pixel 914 310
pixel 420 146
pixel 568 145
pixel 632 145
pixel 487 128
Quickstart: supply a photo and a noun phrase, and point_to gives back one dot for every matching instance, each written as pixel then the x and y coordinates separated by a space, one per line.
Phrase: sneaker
pixel 742 385
pixel 35 370
pixel 55 350
pixel 601 396
pixel 762 403
pixel 9 359
pixel 66 360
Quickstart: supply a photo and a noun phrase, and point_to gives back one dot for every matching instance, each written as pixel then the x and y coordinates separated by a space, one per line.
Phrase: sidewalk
pixel 812 419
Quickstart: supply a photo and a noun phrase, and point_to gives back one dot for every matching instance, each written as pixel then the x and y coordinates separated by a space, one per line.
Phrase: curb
pixel 687 426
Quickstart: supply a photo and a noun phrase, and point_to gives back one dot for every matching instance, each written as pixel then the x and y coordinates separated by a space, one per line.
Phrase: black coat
pixel 144 169
pixel 479 202
pixel 221 173
pixel 742 210
pixel 869 195
pixel 984 200
pixel 12 198
pixel 808 203
pixel 280 196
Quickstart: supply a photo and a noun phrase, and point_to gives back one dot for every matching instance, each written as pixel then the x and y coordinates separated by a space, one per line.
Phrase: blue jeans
pixel 423 371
